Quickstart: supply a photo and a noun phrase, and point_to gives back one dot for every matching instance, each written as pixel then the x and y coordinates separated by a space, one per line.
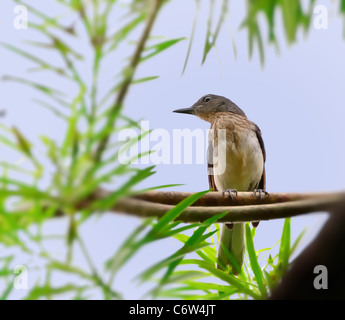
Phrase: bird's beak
pixel 185 110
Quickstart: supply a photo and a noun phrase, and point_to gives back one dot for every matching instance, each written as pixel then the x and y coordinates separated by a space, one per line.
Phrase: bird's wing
pixel 262 183
pixel 211 181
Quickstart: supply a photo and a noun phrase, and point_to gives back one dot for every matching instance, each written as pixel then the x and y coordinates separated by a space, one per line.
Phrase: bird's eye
pixel 207 99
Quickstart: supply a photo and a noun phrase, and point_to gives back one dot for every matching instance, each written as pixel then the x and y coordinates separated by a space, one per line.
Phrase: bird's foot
pixel 231 193
pixel 255 223
pixel 230 226
pixel 261 192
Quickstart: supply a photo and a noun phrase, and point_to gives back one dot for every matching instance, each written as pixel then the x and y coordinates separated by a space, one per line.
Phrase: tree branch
pixel 248 208
pixel 220 199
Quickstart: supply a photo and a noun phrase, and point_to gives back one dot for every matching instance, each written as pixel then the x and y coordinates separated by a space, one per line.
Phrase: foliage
pixel 203 280
pixel 86 156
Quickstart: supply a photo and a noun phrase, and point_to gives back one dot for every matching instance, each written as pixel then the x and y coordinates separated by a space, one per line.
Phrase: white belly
pixel 238 167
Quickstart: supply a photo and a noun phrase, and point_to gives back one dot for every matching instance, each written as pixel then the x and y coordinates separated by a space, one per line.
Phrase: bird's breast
pixel 237 160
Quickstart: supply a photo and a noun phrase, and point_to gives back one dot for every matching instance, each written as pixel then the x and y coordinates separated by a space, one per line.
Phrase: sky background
pixel 297 99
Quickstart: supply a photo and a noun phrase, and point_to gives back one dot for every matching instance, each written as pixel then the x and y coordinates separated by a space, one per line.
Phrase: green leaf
pixel 191 38
pixel 43 64
pixel 298 240
pixel 56 44
pixel 342 6
pixel 110 200
pixel 23 143
pixel 211 37
pixel 232 259
pixel 228 278
pixel 291 11
pixel 284 251
pixel 129 247
pixel 193 244
pixel 186 276
pixel 141 80
pixel 171 262
pixel 51 108
pixel 160 47
pixel 9 143
pixel 7 291
pixel 16 168
pixel 270 281
pixel 56 265
pixel 177 210
pixel 52 93
pixel 254 262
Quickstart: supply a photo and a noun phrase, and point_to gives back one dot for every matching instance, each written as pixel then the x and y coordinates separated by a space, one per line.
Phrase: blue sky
pixel 297 99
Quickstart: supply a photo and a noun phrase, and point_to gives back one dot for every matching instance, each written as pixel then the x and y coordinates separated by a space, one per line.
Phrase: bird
pixel 236 159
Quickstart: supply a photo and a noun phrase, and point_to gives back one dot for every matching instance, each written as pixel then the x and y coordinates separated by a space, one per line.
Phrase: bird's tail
pixel 233 240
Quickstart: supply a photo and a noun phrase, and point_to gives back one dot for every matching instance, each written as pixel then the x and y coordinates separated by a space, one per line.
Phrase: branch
pixel 220 199
pixel 248 208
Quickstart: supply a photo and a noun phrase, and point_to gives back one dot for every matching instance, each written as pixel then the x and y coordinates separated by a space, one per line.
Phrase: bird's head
pixel 207 106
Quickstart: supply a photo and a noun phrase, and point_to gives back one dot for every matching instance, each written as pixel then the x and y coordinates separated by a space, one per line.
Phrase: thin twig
pixel 130 71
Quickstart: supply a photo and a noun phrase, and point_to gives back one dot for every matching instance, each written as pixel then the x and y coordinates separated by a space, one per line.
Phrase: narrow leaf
pixel 254 262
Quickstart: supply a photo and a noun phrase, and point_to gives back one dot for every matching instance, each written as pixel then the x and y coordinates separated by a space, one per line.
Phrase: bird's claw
pixel 261 192
pixel 231 193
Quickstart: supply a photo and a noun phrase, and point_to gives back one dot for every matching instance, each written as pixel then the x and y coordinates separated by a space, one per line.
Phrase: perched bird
pixel 236 162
